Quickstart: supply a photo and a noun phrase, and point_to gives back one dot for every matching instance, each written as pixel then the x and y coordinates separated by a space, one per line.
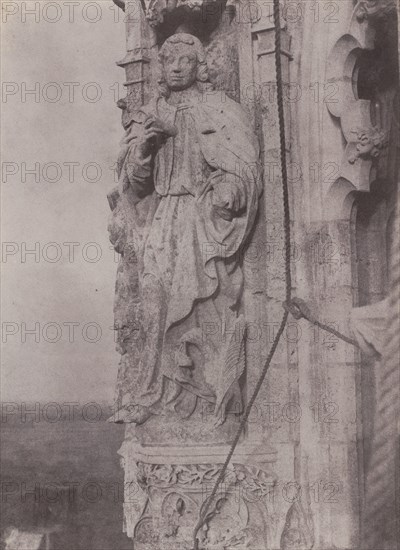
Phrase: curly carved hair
pixel 187 40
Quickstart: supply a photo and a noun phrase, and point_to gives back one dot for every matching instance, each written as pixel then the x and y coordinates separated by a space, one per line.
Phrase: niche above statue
pixel 166 17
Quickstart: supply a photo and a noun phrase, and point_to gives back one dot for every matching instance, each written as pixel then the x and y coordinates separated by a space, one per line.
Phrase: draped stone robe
pixel 190 275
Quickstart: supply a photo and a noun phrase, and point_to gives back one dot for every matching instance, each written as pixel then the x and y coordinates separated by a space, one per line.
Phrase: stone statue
pixel 188 195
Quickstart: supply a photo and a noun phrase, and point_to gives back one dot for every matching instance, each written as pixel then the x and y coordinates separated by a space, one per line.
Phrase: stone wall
pixel 306 448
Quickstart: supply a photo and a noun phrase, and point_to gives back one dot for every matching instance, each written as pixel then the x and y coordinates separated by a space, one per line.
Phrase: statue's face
pixel 180 66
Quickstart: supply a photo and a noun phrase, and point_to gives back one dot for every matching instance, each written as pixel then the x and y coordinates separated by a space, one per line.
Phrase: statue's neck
pixel 184 96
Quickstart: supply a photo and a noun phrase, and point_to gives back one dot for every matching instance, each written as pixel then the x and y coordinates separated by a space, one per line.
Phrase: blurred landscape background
pixel 52 471
pixel 63 478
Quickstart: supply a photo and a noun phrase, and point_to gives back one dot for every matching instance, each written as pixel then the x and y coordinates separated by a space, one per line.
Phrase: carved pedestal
pixel 166 488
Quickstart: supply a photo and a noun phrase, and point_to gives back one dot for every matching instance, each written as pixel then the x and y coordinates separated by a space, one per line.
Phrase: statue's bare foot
pixel 131 414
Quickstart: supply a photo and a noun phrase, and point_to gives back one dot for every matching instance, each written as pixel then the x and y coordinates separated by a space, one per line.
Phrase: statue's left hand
pixel 226 200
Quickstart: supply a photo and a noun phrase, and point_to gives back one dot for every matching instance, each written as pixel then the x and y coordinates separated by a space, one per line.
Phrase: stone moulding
pixel 197 454
pixel 364 140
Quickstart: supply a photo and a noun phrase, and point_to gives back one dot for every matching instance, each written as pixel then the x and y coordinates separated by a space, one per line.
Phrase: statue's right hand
pixel 156 132
pixel 150 141
pixel 135 135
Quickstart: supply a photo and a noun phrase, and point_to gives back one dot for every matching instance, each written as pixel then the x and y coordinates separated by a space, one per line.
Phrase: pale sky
pixel 69 131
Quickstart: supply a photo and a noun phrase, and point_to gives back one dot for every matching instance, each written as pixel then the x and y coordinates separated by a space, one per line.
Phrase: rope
pixel 299 309
pixel 288 277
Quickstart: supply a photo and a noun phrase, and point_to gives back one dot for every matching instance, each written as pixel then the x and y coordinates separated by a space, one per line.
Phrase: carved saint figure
pixel 191 157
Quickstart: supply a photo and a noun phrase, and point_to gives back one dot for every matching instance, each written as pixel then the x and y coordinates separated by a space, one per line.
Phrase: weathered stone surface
pixel 190 155
pixel 172 486
pixel 187 200
pixel 201 280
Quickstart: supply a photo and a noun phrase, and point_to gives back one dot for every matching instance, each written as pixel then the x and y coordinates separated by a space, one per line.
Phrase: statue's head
pixel 183 62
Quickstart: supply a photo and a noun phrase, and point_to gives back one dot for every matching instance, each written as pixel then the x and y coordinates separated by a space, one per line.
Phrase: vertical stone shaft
pixel 137 59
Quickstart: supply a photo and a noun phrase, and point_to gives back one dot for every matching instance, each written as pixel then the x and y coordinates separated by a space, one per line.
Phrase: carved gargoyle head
pixel 183 63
